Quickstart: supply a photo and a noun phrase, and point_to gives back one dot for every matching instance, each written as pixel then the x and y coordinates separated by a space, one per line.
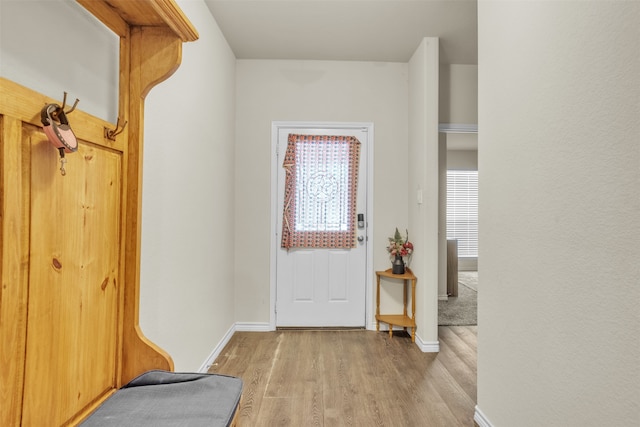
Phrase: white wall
pixel 312 91
pixel 559 154
pixel 187 278
pixel 466 160
pixel 458 94
pixel 425 166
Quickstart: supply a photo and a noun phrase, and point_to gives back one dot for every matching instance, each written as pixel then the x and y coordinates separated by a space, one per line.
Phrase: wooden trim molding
pixel 155 54
pixel 120 15
pixel 175 19
pixel 14 274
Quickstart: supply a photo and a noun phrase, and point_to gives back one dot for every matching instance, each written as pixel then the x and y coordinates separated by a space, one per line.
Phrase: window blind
pixel 462 211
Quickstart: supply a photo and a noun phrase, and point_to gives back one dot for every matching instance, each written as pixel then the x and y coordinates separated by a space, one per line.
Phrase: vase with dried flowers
pixel 400 250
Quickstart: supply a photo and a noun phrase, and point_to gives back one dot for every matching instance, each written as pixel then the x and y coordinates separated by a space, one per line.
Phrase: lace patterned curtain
pixel 320 191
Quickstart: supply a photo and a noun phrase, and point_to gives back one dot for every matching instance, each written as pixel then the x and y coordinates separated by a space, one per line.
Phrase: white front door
pixel 322 287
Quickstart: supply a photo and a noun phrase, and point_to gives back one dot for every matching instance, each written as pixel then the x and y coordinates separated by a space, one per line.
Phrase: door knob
pixel 360 238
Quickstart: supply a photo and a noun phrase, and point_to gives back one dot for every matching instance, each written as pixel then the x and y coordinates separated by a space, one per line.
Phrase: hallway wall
pixel 559 155
pixel 187 279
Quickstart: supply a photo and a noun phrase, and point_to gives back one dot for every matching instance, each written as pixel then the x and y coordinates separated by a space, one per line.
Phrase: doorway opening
pixel 457 303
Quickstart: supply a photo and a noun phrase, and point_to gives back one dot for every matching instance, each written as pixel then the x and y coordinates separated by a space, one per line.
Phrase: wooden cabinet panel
pixel 14 251
pixel 73 282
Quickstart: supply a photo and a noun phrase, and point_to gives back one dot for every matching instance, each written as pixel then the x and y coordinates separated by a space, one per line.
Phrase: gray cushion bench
pixel 161 398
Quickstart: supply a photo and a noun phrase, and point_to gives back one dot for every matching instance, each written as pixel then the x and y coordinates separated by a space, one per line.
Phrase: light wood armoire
pixel 70 245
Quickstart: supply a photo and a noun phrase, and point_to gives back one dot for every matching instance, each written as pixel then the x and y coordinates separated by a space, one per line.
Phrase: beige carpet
pixel 469 279
pixel 463 309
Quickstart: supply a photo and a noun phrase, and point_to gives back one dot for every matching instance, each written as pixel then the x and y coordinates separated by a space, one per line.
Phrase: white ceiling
pixel 347 30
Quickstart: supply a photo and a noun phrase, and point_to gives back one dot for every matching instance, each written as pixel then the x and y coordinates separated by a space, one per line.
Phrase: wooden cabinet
pixel 404 320
pixel 70 245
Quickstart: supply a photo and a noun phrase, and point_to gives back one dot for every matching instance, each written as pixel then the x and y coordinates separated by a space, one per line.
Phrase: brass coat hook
pixel 59 111
pixel 64 101
pixel 112 133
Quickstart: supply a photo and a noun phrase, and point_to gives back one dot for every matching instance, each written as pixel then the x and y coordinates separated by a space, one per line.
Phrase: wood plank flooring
pixel 352 378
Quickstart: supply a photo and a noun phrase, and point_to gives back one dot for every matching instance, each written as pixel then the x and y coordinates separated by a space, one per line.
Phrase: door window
pixel 320 191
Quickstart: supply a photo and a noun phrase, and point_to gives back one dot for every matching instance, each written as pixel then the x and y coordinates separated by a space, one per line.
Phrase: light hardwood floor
pixel 352 378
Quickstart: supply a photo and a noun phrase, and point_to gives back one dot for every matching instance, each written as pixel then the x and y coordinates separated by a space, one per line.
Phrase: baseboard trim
pixel 444 297
pixel 217 350
pixel 424 346
pixel 253 327
pixel 427 346
pixel 481 419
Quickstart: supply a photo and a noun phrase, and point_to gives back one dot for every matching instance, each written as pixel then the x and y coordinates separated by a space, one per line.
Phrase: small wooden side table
pixel 398 319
